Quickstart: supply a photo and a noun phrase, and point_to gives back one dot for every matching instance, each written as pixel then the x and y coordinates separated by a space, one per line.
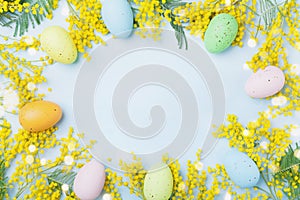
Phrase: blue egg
pixel 241 169
pixel 118 17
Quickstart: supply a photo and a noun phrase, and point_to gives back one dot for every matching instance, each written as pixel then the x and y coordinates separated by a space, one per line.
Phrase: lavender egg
pixel 89 181
pixel 265 82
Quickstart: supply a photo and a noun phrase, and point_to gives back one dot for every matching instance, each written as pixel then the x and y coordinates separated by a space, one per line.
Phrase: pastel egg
pixel 158 184
pixel 58 44
pixel 265 82
pixel 39 115
pixel 118 17
pixel 241 169
pixel 89 181
pixel 220 33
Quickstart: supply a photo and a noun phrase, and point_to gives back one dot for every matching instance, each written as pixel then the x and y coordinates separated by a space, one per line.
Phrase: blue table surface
pixel 61 78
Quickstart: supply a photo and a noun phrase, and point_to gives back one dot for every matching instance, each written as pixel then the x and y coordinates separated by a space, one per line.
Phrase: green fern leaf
pixel 289 166
pixel 179 30
pixel 3 180
pixel 60 177
pixel 22 21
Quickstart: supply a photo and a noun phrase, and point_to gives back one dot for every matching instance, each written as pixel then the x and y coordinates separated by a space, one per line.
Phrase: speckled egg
pixel 265 82
pixel 58 44
pixel 89 181
pixel 220 33
pixel 118 17
pixel 241 169
pixel 158 184
pixel 39 115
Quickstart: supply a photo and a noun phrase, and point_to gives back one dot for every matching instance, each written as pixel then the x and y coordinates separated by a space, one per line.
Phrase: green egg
pixel 220 33
pixel 58 44
pixel 158 184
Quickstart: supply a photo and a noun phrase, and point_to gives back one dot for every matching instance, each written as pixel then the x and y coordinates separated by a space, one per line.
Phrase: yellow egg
pixel 39 115
pixel 58 44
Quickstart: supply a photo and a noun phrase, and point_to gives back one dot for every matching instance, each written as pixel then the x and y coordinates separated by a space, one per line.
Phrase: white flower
pixel 43 161
pixel 71 146
pixel 29 159
pixel 252 43
pixel 65 188
pixel 31 148
pixel 227 196
pixel 68 160
pixel 10 100
pixel 29 40
pixel 227 2
pixel 107 196
pixel 279 101
pixel 297 153
pixel 246 133
pixel 31 86
pixel 199 166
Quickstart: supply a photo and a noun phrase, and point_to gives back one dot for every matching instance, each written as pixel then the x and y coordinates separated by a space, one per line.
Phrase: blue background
pixel 61 78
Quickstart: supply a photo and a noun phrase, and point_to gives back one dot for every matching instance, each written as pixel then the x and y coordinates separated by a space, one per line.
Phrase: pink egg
pixel 265 83
pixel 89 181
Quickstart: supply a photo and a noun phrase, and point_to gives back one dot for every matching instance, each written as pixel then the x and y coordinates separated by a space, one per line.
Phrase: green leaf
pixel 3 179
pixel 289 166
pixel 60 177
pixel 179 30
pixel 268 11
pixel 289 160
pixel 22 21
pixel 4 17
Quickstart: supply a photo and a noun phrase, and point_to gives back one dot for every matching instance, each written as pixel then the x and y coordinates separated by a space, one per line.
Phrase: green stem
pixel 72 10
pixel 270 189
pixel 265 191
pixel 257 29
pixel 22 189
pixel 26 186
pixel 54 180
pixel 2 126
pixel 3 36
pixel 264 12
pixel 11 113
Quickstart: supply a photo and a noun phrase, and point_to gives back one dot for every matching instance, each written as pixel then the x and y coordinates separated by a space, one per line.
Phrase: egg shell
pixel 58 44
pixel 241 169
pixel 89 181
pixel 118 17
pixel 265 82
pixel 220 33
pixel 39 115
pixel 158 184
